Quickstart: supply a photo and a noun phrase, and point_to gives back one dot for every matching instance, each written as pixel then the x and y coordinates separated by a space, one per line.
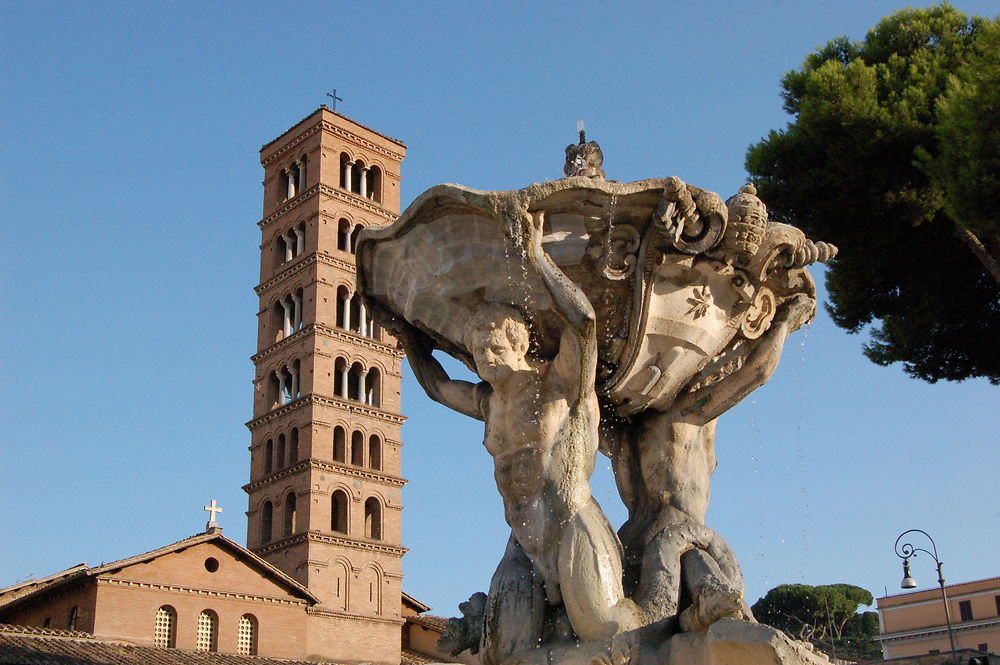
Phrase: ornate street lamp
pixel 904 552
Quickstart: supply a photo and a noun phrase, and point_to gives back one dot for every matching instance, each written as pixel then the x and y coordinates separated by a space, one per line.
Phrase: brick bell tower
pixel 324 490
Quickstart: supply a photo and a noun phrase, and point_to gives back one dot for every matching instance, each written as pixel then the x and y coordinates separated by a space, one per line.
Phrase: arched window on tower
pixel 293 446
pixel 373 387
pixel 356 382
pixel 282 185
pixel 295 386
pixel 289 523
pixel 165 627
pixel 354 238
pixel 302 174
pixel 357 176
pixel 355 314
pixel 207 638
pixel 373 519
pixel 277 322
pixel 375 452
pixel 246 636
pixel 344 235
pixel 266 518
pixel 341 378
pixel 375 184
pixel 343 307
pixel 269 456
pixel 338 511
pixel 339 444
pixel 280 460
pixel 345 171
pixel 358 449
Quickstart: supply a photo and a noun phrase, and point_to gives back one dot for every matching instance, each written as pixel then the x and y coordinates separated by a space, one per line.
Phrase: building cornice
pixel 214 593
pixel 342 541
pixel 288 206
pixel 354 408
pixel 337 193
pixel 935 631
pixel 345 469
pixel 350 198
pixel 337 334
pixel 362 142
pixel 291 145
pixel 366 618
pixel 297 267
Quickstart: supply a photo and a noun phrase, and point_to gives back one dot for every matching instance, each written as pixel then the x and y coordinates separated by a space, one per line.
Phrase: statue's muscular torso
pixel 543 438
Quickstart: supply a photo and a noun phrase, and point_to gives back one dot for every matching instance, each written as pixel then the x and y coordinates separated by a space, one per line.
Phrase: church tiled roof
pixel 414 657
pixel 437 623
pixel 21 645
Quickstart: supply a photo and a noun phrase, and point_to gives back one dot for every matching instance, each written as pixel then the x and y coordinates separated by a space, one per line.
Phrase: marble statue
pixel 602 316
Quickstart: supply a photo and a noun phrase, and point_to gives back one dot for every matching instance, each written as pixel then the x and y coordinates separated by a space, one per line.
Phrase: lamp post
pixel 904 552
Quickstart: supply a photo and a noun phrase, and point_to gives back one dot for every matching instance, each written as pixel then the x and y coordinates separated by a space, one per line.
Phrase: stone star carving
pixel 700 301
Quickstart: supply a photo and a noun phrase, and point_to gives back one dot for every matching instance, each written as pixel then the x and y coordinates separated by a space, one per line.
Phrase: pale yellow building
pixel 913 624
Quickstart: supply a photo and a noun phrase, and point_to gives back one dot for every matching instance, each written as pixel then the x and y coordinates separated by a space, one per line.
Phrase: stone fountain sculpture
pixel 600 316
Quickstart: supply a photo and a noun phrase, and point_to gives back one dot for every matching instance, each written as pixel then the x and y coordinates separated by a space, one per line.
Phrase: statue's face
pixel 496 358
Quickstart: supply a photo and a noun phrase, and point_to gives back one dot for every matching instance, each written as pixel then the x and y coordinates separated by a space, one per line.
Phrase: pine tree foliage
pixel 892 155
pixel 827 616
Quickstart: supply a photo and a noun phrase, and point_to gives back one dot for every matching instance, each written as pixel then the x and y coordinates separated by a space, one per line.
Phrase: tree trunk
pixel 988 260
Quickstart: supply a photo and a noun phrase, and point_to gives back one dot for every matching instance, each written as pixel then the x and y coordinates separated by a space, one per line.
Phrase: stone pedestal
pixel 733 642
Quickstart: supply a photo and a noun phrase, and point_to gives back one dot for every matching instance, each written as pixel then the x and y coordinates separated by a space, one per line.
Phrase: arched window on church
pixel 266 518
pixel 207 638
pixel 279 462
pixel 246 636
pixel 375 453
pixel 338 511
pixel 269 456
pixel 288 524
pixel 165 628
pixel 72 617
pixel 293 446
pixel 339 444
pixel 358 449
pixel 373 519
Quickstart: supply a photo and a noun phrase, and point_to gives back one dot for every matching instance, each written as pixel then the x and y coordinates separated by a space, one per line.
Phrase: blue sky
pixel 130 194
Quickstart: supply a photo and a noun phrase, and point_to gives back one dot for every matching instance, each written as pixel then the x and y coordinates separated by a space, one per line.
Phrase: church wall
pixel 188 568
pixel 347 640
pixel 56 608
pixel 129 613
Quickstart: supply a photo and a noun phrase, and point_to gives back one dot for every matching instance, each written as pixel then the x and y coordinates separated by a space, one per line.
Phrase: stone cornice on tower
pixel 335 193
pixel 332 333
pixel 301 264
pixel 343 541
pixel 338 130
pixel 348 406
pixel 342 468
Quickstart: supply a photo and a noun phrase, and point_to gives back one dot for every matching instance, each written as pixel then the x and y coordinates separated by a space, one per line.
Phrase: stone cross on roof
pixel 212 526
